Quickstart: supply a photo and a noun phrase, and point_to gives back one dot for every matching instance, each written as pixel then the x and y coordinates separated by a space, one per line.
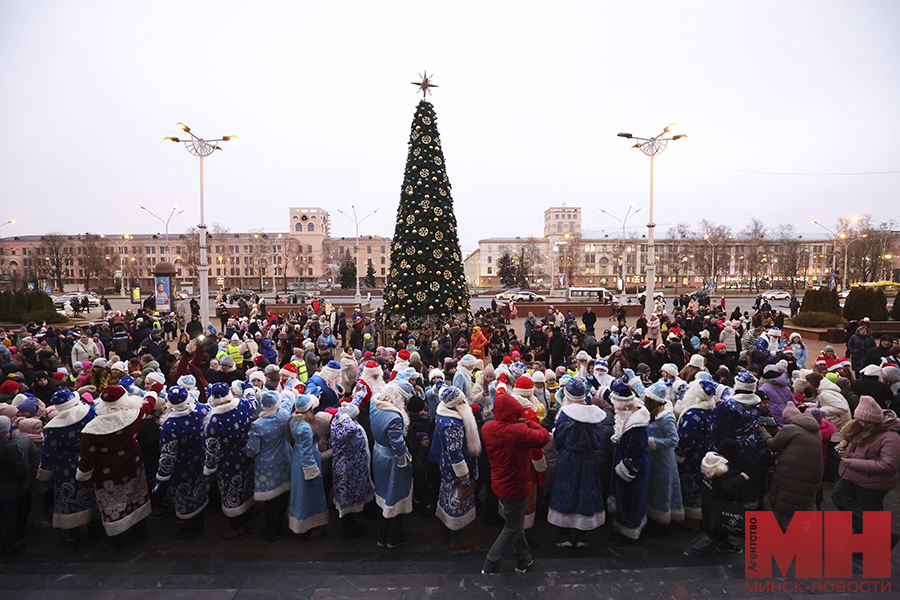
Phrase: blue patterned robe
pixel 695 439
pixel 351 477
pixel 628 498
pixel 576 500
pixel 308 507
pixel 664 502
pixel 738 418
pixel 227 430
pixel 455 462
pixel 73 504
pixel 391 463
pixel 268 444
pixel 181 459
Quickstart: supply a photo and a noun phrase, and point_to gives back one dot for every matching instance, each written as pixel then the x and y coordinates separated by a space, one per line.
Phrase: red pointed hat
pixel 524 383
pixel 112 393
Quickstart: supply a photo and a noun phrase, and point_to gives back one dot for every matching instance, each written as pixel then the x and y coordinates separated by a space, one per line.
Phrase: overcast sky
pixel 779 99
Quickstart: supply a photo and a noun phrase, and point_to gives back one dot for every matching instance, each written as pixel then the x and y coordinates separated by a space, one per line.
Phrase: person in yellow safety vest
pixel 298 362
pixel 234 349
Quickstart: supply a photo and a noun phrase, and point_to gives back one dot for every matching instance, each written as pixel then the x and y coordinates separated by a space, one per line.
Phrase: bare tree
pixel 711 249
pixel 51 259
pixel 754 235
pixel 872 243
pixel 93 259
pixel 569 258
pixel 788 255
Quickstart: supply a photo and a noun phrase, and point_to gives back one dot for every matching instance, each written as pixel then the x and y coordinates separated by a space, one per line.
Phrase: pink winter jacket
pixel 874 466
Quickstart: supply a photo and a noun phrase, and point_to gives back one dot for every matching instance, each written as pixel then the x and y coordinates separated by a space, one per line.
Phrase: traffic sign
pixel 30 286
pixel 48 289
pixel 220 281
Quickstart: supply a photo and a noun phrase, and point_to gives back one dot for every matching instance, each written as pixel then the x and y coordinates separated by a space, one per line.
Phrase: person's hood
pixel 780 381
pixel 807 422
pixel 506 408
pixel 828 385
pixel 891 422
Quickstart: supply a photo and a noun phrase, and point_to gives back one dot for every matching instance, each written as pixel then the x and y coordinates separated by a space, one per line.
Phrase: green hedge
pixel 866 302
pixel 25 306
pixel 821 301
pixel 818 320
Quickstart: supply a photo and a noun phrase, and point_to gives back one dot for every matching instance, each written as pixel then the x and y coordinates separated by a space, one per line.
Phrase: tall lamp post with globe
pixel 651 147
pixel 356 222
pixel 202 148
pixel 628 214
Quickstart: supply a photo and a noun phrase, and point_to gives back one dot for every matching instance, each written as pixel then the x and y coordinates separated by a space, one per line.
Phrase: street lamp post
pixel 651 147
pixel 839 237
pixel 8 222
pixel 274 268
pixel 119 246
pixel 628 215
pixel 165 222
pixel 356 222
pixel 715 277
pixel 202 148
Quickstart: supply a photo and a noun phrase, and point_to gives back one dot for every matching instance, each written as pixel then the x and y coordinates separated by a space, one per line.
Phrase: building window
pixel 382 270
pixel 383 261
pixel 368 249
pixel 340 249
pixel 489 259
pixel 311 227
pixel 309 249
pixel 310 272
pixel 382 249
pixel 559 227
pixel 490 270
pixel 299 227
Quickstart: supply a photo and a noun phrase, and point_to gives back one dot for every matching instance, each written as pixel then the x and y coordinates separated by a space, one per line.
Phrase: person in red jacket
pixel 508 440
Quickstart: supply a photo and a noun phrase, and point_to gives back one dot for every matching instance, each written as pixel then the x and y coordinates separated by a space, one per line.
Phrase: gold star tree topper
pixel 424 84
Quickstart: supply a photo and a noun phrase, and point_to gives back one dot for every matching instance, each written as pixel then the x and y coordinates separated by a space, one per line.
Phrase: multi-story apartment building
pixel 304 254
pixel 576 257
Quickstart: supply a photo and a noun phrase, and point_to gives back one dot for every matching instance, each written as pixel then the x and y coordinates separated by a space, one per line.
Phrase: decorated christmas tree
pixel 426 282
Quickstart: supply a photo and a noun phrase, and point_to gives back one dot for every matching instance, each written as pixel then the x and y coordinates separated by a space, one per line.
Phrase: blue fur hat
pixel 709 387
pixel 219 390
pixel 745 382
pixel 269 399
pixel 574 390
pixel 621 388
pixel 177 394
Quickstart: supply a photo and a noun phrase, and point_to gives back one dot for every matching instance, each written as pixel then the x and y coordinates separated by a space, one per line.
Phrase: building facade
pixel 303 256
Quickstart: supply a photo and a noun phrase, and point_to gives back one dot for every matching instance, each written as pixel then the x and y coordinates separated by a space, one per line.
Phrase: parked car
pixel 520 296
pixel 60 301
pixel 238 294
pixel 776 295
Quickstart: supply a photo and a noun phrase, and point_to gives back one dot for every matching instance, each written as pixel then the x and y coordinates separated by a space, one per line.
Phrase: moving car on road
pixel 520 296
pixel 776 295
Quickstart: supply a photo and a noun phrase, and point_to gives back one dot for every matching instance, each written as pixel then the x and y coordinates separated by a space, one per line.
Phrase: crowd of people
pixel 683 417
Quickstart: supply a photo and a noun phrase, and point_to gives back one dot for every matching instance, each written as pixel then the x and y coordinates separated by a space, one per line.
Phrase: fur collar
pixel 746 399
pixel 70 413
pixel 523 400
pixel 583 413
pixel 113 417
pixel 695 397
pixel 229 406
